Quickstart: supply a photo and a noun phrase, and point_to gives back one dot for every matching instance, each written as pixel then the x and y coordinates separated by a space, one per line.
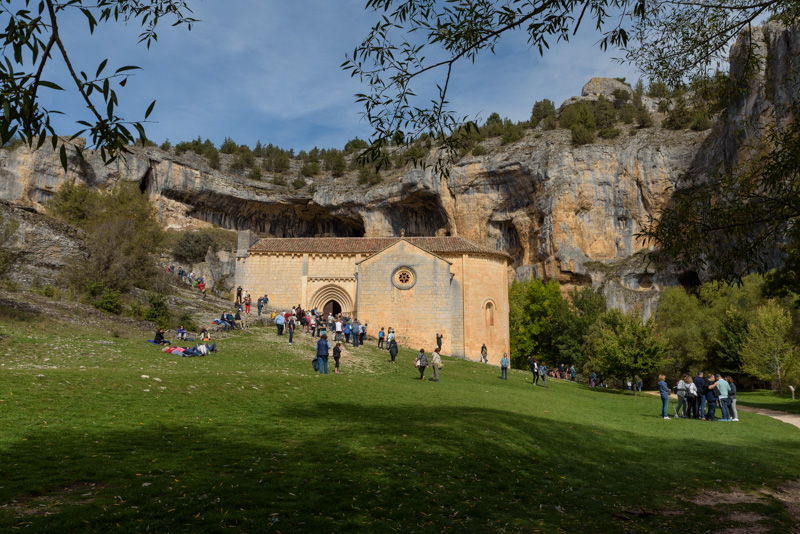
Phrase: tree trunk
pixel 633 385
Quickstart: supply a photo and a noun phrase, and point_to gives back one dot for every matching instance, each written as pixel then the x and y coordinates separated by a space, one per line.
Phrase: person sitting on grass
pixel 204 335
pixel 158 339
pixel 182 334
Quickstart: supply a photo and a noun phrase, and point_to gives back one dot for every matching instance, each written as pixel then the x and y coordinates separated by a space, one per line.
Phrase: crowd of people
pixel 202 348
pixel 188 277
pixel 701 397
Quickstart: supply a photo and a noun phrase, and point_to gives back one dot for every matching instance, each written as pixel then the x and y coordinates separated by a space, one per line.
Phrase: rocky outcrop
pixel 563 212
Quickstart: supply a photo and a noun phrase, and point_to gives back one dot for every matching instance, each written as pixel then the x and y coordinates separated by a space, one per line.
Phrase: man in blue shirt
pixel 280 320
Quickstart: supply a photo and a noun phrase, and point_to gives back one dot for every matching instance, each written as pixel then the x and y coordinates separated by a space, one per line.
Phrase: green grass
pixel 251 439
pixel 770 400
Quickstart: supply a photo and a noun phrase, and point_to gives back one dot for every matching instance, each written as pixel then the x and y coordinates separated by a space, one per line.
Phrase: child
pixel 337 353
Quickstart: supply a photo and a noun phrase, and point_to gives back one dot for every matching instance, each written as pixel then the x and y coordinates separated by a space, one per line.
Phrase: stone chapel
pixel 417 285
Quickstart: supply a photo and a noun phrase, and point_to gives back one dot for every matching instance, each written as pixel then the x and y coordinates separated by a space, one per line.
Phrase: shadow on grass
pixel 337 466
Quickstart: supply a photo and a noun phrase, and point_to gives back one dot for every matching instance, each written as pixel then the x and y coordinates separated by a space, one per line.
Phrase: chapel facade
pixel 417 285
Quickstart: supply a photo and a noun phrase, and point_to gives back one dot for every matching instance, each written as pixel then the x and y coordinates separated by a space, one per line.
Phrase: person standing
pixel 390 335
pixel 663 389
pixel 504 367
pixel 572 373
pixel 280 321
pixel 680 389
pixel 323 350
pixel 238 295
pixel 691 397
pixel 732 399
pixel 363 333
pixel 422 359
pixel 484 354
pixel 393 350
pixel 247 301
pixel 347 333
pixel 711 398
pixel 439 340
pixel 337 353
pixel 593 380
pixel 700 384
pixel 543 373
pixel 723 388
pixel 381 336
pixel 354 333
pixel 436 364
pixel 338 326
pixel 260 305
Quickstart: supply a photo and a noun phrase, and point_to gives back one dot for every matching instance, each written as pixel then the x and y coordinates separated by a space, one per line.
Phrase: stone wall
pixel 416 311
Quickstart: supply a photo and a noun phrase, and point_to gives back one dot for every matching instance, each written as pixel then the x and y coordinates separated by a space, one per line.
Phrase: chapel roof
pixel 370 245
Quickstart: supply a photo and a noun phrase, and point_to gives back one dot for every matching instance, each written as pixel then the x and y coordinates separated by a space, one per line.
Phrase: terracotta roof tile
pixel 370 245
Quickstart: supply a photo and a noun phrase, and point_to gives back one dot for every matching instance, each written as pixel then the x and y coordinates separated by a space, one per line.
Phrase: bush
pixel 281 163
pixel 609 133
pixel 110 301
pixel 166 145
pixel 158 312
pixel 228 146
pixel 338 165
pixel 192 247
pixel 621 97
pixel 578 114
pixel 309 169
pixel 369 176
pixel 299 183
pixel 604 113
pixel 701 122
pixel 50 291
pixel 627 113
pixel 644 119
pixel 550 123
pixel 512 133
pixel 185 318
pixel 355 145
pixel 678 117
pixel 278 180
pixel 255 173
pixel 658 89
pixel 479 151
pixel 542 109
pixel 581 135
pixel 212 155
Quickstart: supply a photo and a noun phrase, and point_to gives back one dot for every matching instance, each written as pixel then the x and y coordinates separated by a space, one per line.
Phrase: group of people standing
pixel 700 397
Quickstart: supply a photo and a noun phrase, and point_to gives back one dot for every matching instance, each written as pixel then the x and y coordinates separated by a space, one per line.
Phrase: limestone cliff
pixel 564 212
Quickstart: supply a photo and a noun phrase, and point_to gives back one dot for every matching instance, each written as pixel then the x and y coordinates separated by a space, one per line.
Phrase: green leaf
pixel 150 109
pixel 101 67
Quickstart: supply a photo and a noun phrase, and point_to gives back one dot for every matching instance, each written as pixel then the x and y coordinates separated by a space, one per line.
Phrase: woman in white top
pixel 682 387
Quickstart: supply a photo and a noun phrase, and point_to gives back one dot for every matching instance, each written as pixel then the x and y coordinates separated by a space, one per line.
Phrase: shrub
pixel 609 133
pixel 369 176
pixel 621 97
pixel 50 291
pixel 166 145
pixel 228 146
pixel 581 135
pixel 627 113
pixel 542 109
pixel 658 89
pixel 192 247
pixel 309 169
pixel 185 318
pixel 604 114
pixel 512 133
pixel 212 155
pixel 255 173
pixel 578 114
pixel 678 117
pixel 550 123
pixel 338 165
pixel 158 312
pixel 281 163
pixel 110 301
pixel 701 122
pixel 278 180
pixel 479 151
pixel 355 145
pixel 644 119
pixel 299 183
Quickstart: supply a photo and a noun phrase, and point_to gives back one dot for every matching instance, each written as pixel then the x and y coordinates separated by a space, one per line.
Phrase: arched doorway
pixel 332 307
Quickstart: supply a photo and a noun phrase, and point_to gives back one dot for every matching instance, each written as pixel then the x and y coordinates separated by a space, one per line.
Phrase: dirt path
pixel 791 418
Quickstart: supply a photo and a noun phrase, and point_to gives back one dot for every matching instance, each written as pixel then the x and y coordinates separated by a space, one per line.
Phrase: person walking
pixel 290 326
pixel 422 362
pixel 323 350
pixel 732 399
pixel 337 353
pixel 484 354
pixel 543 373
pixel 534 366
pixel 280 322
pixel 504 367
pixel 381 336
pixel 436 365
pixel 680 389
pixel 663 389
pixel 393 350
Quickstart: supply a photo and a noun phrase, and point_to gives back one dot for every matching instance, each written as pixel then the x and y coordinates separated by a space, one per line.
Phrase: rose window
pixel 404 278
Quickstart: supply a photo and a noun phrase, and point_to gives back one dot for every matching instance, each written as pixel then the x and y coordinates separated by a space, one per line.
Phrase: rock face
pixel 563 212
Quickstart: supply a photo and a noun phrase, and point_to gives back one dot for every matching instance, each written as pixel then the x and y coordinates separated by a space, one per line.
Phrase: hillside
pixel 103 433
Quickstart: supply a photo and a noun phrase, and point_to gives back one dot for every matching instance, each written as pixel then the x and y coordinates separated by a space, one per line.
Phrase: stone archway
pixel 332 292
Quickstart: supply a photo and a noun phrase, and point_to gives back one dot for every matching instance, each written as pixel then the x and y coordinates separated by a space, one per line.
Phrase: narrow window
pixel 489 314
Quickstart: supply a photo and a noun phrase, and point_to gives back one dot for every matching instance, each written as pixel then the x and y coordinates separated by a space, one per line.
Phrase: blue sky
pixel 270 71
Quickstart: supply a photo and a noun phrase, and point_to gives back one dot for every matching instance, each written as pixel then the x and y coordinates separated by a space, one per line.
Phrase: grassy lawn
pixel 101 433
pixel 770 400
